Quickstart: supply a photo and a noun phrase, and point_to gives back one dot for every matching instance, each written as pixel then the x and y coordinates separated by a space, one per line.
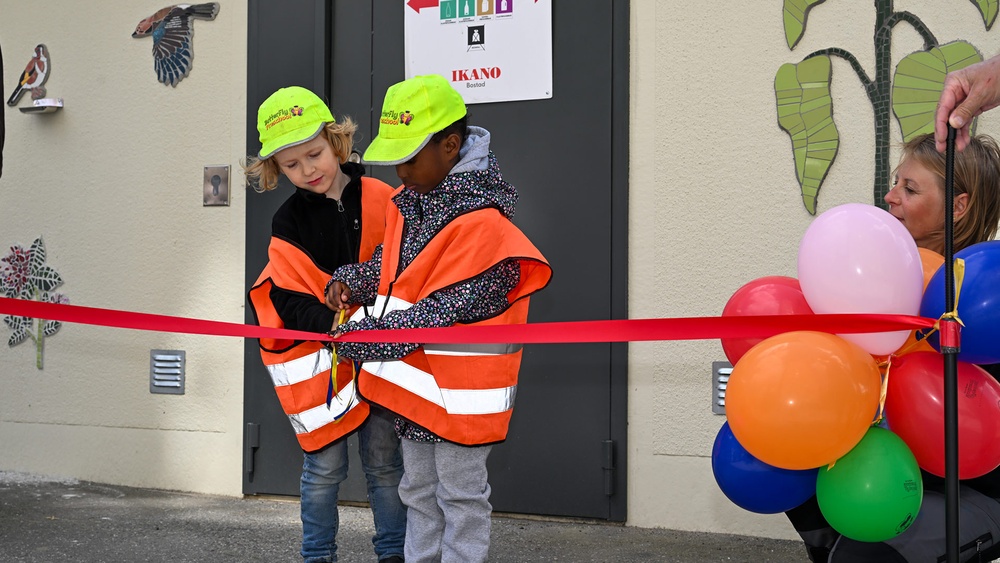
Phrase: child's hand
pixel 338 296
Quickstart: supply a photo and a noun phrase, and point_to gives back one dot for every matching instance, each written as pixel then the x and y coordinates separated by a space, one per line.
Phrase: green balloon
pixel 874 492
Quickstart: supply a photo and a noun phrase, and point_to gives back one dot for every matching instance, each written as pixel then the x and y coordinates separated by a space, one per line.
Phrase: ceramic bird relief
pixel 33 76
pixel 172 29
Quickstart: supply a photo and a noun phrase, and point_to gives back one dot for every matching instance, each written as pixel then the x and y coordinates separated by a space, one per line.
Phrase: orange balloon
pixel 800 400
pixel 930 261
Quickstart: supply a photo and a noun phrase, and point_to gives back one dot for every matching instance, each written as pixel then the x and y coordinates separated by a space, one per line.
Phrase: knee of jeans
pixel 318 476
pixel 382 459
pixel 324 469
pixel 384 475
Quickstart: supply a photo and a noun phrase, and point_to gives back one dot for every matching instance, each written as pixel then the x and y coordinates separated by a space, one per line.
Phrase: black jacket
pixel 329 232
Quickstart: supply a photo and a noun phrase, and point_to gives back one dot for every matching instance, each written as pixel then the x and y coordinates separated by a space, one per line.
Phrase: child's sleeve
pixel 478 298
pixel 299 311
pixel 362 278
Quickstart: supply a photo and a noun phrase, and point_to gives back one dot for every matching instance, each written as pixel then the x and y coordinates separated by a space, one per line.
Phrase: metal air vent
pixel 166 371
pixel 720 380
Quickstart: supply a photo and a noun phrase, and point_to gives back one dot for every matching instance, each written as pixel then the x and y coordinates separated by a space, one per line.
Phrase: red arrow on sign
pixel 418 5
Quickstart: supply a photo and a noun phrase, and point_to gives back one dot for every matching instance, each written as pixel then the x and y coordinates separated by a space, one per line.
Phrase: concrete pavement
pixel 50 520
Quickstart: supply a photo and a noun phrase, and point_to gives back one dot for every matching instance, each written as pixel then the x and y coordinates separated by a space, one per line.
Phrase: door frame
pixel 269 46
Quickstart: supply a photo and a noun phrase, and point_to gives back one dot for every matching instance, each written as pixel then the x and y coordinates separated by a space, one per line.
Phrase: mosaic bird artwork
pixel 33 77
pixel 172 29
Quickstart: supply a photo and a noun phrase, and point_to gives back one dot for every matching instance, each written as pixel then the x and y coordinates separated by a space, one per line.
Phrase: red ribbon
pixel 630 330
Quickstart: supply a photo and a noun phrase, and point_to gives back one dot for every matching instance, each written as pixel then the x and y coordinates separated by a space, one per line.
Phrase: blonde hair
pixel 977 173
pixel 262 173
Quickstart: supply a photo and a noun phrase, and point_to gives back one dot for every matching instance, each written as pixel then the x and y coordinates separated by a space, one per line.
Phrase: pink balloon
pixel 858 258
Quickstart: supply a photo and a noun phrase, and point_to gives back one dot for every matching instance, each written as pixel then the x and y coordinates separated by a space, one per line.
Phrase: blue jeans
pixel 324 470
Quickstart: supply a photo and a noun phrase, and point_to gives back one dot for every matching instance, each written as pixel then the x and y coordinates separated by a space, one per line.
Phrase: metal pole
pixel 950 345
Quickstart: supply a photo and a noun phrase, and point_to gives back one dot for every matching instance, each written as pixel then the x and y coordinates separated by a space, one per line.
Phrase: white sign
pixel 490 50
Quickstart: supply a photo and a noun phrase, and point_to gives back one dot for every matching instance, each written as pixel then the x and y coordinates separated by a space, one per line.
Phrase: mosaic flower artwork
pixel 24 275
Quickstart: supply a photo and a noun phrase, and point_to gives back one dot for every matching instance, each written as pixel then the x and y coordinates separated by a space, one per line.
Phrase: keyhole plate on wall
pixel 216 187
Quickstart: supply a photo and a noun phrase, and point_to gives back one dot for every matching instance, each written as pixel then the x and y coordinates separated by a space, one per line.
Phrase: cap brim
pixel 390 152
pixel 289 139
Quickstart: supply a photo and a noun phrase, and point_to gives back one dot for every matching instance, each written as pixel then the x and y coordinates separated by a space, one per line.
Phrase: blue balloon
pixel 978 303
pixel 754 485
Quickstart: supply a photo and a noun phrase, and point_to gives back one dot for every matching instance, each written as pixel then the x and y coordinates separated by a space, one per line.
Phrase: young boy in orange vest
pixel 451 255
pixel 336 216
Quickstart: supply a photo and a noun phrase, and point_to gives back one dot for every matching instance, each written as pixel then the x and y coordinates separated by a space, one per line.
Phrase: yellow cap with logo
pixel 291 116
pixel 413 111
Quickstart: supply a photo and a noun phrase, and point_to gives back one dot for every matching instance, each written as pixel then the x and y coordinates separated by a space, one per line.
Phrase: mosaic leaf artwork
pixel 910 93
pixel 25 275
pixel 918 81
pixel 805 112
pixel 794 13
pixel 988 8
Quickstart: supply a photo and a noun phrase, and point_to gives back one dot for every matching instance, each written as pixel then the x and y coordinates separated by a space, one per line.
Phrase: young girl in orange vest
pixel 335 216
pixel 451 255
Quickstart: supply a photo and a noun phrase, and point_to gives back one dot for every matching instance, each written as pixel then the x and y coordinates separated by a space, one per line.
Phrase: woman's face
pixel 917 200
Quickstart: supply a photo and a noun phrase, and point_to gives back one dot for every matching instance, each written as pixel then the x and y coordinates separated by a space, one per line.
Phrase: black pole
pixel 950 345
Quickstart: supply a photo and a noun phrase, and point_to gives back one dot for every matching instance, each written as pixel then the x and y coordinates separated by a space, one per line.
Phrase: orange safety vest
pixel 462 393
pixel 300 370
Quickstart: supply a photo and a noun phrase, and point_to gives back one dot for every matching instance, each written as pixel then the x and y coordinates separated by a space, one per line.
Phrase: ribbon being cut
pixel 627 330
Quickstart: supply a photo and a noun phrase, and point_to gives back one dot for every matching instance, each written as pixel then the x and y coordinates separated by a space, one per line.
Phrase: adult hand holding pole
pixel 967 93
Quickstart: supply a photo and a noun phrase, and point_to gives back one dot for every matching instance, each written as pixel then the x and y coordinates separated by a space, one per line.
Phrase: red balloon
pixel 770 295
pixel 914 407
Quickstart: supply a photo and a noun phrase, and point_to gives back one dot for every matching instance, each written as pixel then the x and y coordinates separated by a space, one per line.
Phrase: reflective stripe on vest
pixel 454 401
pixel 423 384
pixel 319 416
pixel 301 369
pixel 317 364
pixel 471 349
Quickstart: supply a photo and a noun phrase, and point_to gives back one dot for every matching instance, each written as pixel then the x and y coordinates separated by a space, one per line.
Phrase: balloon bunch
pixel 803 407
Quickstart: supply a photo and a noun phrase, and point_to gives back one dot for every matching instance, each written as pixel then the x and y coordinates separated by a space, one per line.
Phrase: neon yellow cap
pixel 413 111
pixel 291 116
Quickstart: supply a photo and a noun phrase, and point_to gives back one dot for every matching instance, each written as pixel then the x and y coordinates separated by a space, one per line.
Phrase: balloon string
pixel 959 277
pixel 924 334
pixel 920 336
pixel 884 366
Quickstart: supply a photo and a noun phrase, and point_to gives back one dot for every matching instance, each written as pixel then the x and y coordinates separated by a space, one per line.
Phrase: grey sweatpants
pixel 446 494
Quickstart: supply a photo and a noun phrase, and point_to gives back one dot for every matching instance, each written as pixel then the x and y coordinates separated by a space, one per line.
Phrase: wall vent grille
pixel 720 380
pixel 166 371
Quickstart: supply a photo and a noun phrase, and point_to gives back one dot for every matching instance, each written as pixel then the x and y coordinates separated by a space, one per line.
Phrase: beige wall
pixel 113 183
pixel 714 204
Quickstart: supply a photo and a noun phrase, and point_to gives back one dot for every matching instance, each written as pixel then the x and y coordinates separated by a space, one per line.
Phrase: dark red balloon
pixel 914 408
pixel 770 295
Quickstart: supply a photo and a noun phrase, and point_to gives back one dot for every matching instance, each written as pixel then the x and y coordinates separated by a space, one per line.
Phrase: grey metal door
pixel 565 453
